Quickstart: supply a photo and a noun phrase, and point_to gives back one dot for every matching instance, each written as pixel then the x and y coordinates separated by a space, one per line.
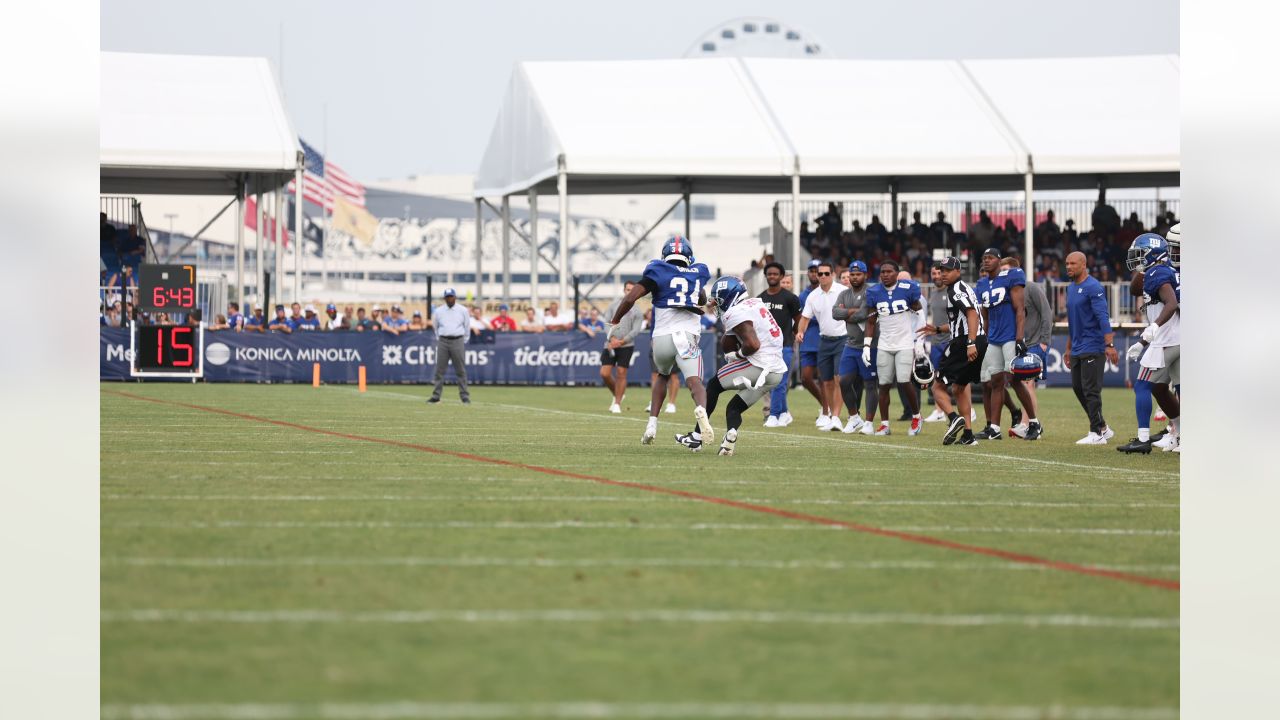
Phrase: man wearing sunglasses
pixel 831 342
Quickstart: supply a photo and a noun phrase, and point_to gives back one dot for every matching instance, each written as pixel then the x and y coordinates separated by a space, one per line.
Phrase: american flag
pixel 323 180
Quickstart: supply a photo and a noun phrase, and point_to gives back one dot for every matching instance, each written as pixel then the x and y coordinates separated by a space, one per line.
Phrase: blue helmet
pixel 726 291
pixel 1027 367
pixel 1148 249
pixel 678 250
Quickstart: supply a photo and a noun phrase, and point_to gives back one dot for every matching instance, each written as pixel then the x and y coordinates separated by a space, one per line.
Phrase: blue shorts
pixel 935 354
pixel 851 362
pixel 1034 349
pixel 808 358
pixel 829 357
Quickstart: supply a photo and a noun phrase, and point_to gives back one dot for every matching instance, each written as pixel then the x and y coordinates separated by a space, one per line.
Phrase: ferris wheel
pixel 755 37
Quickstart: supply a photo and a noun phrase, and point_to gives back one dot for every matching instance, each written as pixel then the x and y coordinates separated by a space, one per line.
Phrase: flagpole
pixel 297 229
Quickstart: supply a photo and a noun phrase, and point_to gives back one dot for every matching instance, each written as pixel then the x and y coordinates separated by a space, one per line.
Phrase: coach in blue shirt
pixel 1090 325
pixel 453 328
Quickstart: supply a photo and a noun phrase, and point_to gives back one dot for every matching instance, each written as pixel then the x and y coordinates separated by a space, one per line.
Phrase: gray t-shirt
pixel 629 326
pixel 851 306
pixel 938 316
pixel 1038 326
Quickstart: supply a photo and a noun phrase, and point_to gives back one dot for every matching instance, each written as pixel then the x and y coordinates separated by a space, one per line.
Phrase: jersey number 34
pixel 683 297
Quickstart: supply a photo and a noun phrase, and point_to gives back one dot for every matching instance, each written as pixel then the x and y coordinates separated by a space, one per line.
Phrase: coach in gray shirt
pixel 1037 331
pixel 851 307
pixel 615 358
pixel 453 328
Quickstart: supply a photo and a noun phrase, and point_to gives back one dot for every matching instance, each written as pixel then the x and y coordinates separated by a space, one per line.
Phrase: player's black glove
pixel 1020 347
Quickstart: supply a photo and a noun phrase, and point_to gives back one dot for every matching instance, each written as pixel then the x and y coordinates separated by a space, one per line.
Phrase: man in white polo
pixel 830 345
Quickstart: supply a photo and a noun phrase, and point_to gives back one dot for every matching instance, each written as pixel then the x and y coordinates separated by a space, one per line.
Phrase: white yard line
pixel 588 710
pixel 583 525
pixel 651 562
pixel 690 616
pixel 617 499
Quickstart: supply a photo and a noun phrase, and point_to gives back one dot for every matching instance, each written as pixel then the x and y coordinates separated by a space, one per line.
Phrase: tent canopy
pixel 731 125
pixel 191 125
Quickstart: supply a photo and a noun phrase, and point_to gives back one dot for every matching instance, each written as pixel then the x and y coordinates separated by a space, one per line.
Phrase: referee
pixel 453 328
pixel 962 360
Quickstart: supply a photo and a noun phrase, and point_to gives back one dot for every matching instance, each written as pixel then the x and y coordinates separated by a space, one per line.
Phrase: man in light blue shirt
pixel 453 329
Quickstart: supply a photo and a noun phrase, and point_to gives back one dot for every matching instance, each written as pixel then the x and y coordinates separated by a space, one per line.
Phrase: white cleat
pixel 615 408
pixel 671 408
pixel 704 425
pixel 1092 438
pixel 915 426
pixel 884 429
pixel 835 425
pixel 785 419
pixel 854 425
pixel 1160 416
pixel 772 421
pixel 650 432
pixel 1019 430
pixel 936 416
pixel 726 446
pixel 648 408
pixel 1178 449
pixel 868 427
pixel 1167 443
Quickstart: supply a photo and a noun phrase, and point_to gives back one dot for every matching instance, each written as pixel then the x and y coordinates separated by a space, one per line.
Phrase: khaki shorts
pixel 894 366
pixel 999 359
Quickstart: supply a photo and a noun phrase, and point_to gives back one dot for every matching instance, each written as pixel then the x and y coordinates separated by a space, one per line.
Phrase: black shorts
pixel 618 356
pixel 955 367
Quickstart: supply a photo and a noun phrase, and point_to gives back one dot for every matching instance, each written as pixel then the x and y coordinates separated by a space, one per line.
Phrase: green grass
pixel 770 616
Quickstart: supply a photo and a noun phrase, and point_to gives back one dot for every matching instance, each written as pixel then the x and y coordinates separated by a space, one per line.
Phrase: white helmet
pixel 1173 236
pixel 922 371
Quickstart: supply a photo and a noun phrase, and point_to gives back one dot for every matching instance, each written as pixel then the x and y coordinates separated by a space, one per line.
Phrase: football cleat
pixel 1160 416
pixel 953 431
pixel 1166 443
pixel 1018 431
pixel 884 429
pixel 915 427
pixel 968 440
pixel 689 441
pixel 1178 449
pixel 726 445
pixel 1016 416
pixel 1135 446
pixel 1034 431
pixel 936 416
pixel 990 432
pixel 1092 438
pixel 615 408
pixel 771 421
pixel 704 424
pixel 650 432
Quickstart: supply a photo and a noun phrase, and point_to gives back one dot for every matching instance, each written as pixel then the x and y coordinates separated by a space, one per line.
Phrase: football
pixel 729 343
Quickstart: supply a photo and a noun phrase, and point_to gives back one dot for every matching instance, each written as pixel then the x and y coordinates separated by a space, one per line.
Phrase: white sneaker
pixel 1092 438
pixel 1019 430
pixel 671 408
pixel 726 446
pixel 648 408
pixel 1178 449
pixel 936 416
pixel 884 429
pixel 785 419
pixel 1108 433
pixel 771 421
pixel 868 427
pixel 1167 443
pixel 854 425
pixel 824 422
pixel 615 408
pixel 704 425
pixel 915 427
pixel 835 425
pixel 650 432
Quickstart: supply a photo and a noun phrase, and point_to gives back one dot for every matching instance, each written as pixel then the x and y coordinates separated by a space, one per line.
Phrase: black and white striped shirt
pixel 960 298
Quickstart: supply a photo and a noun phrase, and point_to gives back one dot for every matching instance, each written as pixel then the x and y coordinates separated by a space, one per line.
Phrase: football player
pixel 1158 348
pixel 892 305
pixel 1001 291
pixel 753 369
pixel 678 287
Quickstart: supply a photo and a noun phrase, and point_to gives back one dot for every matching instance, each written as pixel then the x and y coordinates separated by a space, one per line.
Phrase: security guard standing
pixel 453 323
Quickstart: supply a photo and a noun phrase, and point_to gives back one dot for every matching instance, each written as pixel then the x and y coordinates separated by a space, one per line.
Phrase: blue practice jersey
pixel 894 313
pixel 1158 275
pixel 997 296
pixel 811 340
pixel 675 287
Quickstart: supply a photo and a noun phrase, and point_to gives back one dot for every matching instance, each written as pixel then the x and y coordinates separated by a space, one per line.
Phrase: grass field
pixel 369 555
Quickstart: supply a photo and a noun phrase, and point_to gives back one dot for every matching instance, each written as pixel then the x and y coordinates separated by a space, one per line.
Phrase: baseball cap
pixel 330 306
pixel 857 265
pixel 396 308
pixel 814 263
pixel 947 263
pixel 257 307
pixel 450 292
pixel 992 251
pixel 504 306
pixel 417 313
pixel 279 307
pixel 377 308
pixel 310 308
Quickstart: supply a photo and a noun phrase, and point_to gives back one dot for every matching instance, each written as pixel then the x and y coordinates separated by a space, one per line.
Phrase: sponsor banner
pixel 559 358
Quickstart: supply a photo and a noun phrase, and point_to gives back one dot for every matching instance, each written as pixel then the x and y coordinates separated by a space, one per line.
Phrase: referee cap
pixel 947 263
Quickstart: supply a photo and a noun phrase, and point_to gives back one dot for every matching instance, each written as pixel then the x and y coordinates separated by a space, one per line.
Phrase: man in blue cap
pixel 453 324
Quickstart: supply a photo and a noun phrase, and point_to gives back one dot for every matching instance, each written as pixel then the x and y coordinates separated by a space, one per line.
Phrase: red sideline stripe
pixel 753 507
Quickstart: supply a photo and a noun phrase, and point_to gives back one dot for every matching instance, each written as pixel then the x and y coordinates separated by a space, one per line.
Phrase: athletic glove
pixel 732 356
pixel 1020 347
pixel 1149 332
pixel 1135 350
pixel 866 352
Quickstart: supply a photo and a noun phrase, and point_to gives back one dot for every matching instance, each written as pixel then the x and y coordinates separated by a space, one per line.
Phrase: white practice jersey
pixel 667 321
pixel 769 356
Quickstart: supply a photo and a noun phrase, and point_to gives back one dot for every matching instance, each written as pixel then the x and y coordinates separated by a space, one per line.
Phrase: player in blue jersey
pixel 678 286
pixel 892 305
pixel 1002 294
pixel 1158 349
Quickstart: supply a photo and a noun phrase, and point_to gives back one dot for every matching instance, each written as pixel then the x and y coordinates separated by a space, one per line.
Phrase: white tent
pixel 193 125
pixel 729 125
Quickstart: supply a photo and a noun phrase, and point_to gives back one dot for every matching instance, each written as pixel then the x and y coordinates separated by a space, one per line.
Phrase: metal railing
pixel 125 212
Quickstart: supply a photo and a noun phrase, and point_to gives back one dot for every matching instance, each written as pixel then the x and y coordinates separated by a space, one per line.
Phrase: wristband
pixel 866 342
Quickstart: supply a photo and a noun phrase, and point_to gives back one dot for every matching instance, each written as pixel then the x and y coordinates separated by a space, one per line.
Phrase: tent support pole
pixel 506 248
pixel 562 188
pixel 240 190
pixel 297 230
pixel 628 251
pixel 687 213
pixel 278 288
pixel 893 200
pixel 550 264
pixel 479 255
pixel 257 240
pixel 533 248
pixel 1028 230
pixel 175 253
pixel 795 223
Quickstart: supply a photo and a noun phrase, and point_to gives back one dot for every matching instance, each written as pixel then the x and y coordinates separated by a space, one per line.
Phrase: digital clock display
pixel 168 349
pixel 167 288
